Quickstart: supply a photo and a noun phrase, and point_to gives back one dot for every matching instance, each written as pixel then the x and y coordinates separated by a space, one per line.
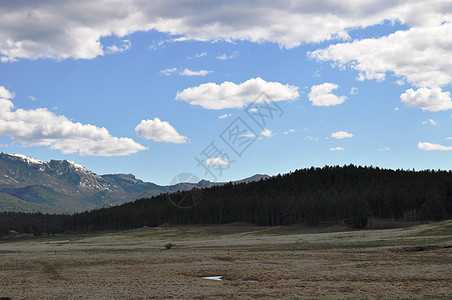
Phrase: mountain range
pixel 28 184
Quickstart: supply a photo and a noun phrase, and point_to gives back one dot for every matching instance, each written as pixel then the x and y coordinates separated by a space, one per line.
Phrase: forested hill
pixel 347 194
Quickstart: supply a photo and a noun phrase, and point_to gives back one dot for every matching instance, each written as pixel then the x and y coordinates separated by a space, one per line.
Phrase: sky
pixel 227 89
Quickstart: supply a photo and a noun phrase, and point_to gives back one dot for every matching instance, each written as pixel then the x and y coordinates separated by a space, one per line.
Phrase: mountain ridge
pixel 66 186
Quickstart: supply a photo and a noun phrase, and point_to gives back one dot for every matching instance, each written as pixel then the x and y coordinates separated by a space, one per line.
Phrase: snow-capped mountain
pixel 67 186
pixel 60 175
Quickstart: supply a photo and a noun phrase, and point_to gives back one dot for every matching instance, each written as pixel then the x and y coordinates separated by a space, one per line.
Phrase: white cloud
pixel 337 149
pixel 430 121
pixel 5 94
pixel 384 149
pixel 224 116
pixel 449 138
pixel 230 95
pixel 185 72
pixel 32 98
pixel 249 135
pixel 188 72
pixel 168 72
pixel 419 55
pixel 29 30
pixel 224 56
pixel 159 131
pixel 354 91
pixel 341 135
pixel 429 147
pixel 427 99
pixel 311 138
pixel 267 133
pixel 289 131
pixel 321 95
pixel 396 108
pixel 41 127
pixel 198 55
pixel 217 161
pixel 123 46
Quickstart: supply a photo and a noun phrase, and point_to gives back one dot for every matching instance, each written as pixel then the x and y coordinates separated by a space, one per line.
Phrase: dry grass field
pixel 255 262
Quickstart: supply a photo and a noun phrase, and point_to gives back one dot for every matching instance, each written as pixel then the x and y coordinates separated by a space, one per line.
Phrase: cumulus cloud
pixel 41 127
pixel 224 116
pixel 230 95
pixel 159 131
pixel 321 95
pixel 5 94
pixel 217 161
pixel 430 147
pixel 267 133
pixel 289 131
pixel 419 55
pixel 29 29
pixel 427 99
pixel 188 72
pixel 337 149
pixel 341 135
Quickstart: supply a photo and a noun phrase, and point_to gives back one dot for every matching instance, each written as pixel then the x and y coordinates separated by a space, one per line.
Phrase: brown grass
pixel 284 263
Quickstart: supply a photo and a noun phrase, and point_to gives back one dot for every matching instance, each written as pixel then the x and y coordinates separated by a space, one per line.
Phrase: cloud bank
pixel 41 127
pixel 28 27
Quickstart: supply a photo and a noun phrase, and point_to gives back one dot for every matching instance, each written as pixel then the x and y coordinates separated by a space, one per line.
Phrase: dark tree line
pixel 348 194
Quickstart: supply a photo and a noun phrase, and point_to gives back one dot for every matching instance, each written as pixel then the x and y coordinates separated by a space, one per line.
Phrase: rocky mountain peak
pixel 65 184
pixel 27 159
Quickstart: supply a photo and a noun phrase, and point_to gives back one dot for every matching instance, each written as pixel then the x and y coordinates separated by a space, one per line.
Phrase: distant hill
pixel 65 186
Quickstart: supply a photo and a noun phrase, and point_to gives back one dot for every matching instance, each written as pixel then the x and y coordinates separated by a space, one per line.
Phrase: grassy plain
pixel 256 262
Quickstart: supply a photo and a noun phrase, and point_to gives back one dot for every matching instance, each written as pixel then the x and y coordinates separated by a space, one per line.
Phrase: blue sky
pixel 146 87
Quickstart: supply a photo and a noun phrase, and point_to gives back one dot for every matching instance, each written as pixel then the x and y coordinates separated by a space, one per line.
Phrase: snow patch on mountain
pixel 29 159
pixel 77 166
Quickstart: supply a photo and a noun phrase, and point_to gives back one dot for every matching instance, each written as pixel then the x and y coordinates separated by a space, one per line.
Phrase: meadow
pixel 255 262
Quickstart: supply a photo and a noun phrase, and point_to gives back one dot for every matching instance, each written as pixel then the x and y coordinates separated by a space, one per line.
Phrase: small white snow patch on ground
pixel 213 277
